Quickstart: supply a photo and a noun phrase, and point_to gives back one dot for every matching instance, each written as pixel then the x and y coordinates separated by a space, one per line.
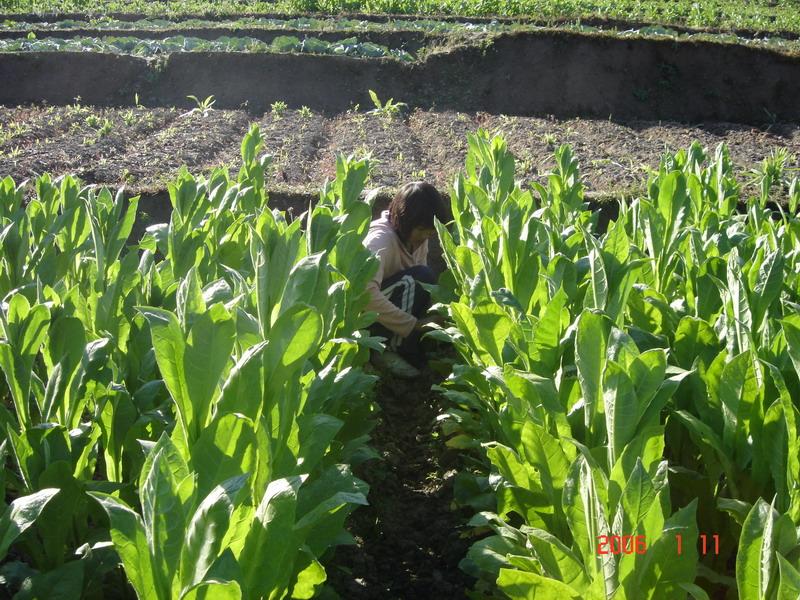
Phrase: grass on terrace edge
pixel 761 15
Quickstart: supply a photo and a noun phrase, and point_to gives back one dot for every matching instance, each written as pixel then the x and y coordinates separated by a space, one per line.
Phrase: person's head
pixel 412 210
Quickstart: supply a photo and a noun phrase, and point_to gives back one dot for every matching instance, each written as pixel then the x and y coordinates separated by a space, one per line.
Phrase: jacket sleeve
pixel 390 316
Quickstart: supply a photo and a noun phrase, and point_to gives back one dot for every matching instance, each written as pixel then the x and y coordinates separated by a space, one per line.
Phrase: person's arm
pixel 390 316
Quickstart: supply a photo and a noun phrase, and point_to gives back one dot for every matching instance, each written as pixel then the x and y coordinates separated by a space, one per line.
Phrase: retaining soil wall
pixel 552 72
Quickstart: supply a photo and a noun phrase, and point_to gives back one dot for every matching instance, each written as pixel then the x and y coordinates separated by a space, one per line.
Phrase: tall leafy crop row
pixel 190 405
pixel 633 394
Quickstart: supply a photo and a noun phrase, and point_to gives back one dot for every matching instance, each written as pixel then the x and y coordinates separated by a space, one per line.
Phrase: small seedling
pixel 129 118
pixel 388 109
pixel 305 112
pixel 203 106
pixel 278 108
pixel 105 128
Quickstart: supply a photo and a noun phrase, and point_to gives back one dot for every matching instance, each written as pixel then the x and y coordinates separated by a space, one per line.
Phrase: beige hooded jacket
pixel 384 242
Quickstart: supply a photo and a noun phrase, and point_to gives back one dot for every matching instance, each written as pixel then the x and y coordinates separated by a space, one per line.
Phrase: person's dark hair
pixel 415 205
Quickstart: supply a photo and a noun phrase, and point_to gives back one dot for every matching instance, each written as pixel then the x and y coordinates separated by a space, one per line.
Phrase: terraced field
pixel 611 409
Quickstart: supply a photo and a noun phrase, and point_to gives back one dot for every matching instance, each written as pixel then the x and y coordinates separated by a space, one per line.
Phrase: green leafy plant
pixel 607 375
pixel 190 388
pixel 278 108
pixel 203 107
pixel 389 109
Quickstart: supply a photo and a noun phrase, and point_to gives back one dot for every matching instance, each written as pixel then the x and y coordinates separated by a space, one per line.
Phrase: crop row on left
pixel 190 405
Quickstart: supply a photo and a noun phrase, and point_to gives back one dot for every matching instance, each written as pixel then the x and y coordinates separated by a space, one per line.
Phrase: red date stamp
pixel 637 544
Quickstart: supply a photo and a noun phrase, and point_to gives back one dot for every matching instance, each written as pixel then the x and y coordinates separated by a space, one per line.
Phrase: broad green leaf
pixel 557 560
pixel 621 404
pixel 307 283
pixel 130 541
pixel 637 498
pixel 243 390
pixel 226 448
pixel 163 501
pixel 548 333
pixel 521 585
pixel 205 532
pixel 21 514
pixel 545 453
pixel 214 590
pixel 208 351
pixel 791 331
pixel 271 540
pixel 695 591
pixel 65 582
pixel 170 349
pixel 293 338
pixel 768 286
pixel 694 338
pixel 317 433
pixel 708 442
pixel 584 506
pixel 189 298
pixel 663 570
pixel 493 327
pixel 648 448
pixel 756 564
pixel 523 492
pixel 25 329
pixel 309 580
pixel 597 293
pixel 590 359
pixel 789 586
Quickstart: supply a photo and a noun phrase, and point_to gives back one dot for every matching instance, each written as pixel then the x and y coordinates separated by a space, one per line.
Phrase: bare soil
pixel 192 139
pixel 76 140
pixel 294 139
pixel 389 142
pixel 408 540
pixel 615 156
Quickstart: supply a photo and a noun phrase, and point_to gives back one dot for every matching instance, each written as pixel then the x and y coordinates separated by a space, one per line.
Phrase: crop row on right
pixel 631 396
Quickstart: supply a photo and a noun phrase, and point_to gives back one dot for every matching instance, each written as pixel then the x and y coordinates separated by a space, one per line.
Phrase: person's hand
pixel 422 322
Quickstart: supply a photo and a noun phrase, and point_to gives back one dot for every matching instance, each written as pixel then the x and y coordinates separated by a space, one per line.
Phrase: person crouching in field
pixel 399 238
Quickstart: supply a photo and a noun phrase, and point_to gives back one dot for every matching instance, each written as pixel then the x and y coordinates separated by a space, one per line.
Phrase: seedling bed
pixel 389 19
pixel 615 155
pixel 411 41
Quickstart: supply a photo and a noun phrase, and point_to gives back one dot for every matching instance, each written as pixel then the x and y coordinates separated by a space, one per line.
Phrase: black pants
pixel 404 291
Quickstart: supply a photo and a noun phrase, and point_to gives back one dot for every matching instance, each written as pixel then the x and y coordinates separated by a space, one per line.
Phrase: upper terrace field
pixel 190 406
pixel 763 15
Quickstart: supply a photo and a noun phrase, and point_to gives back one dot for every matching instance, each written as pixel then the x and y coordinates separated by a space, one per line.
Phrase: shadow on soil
pixel 408 538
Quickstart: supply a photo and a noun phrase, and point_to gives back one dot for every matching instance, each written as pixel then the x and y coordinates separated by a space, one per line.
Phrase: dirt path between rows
pixel 408 538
